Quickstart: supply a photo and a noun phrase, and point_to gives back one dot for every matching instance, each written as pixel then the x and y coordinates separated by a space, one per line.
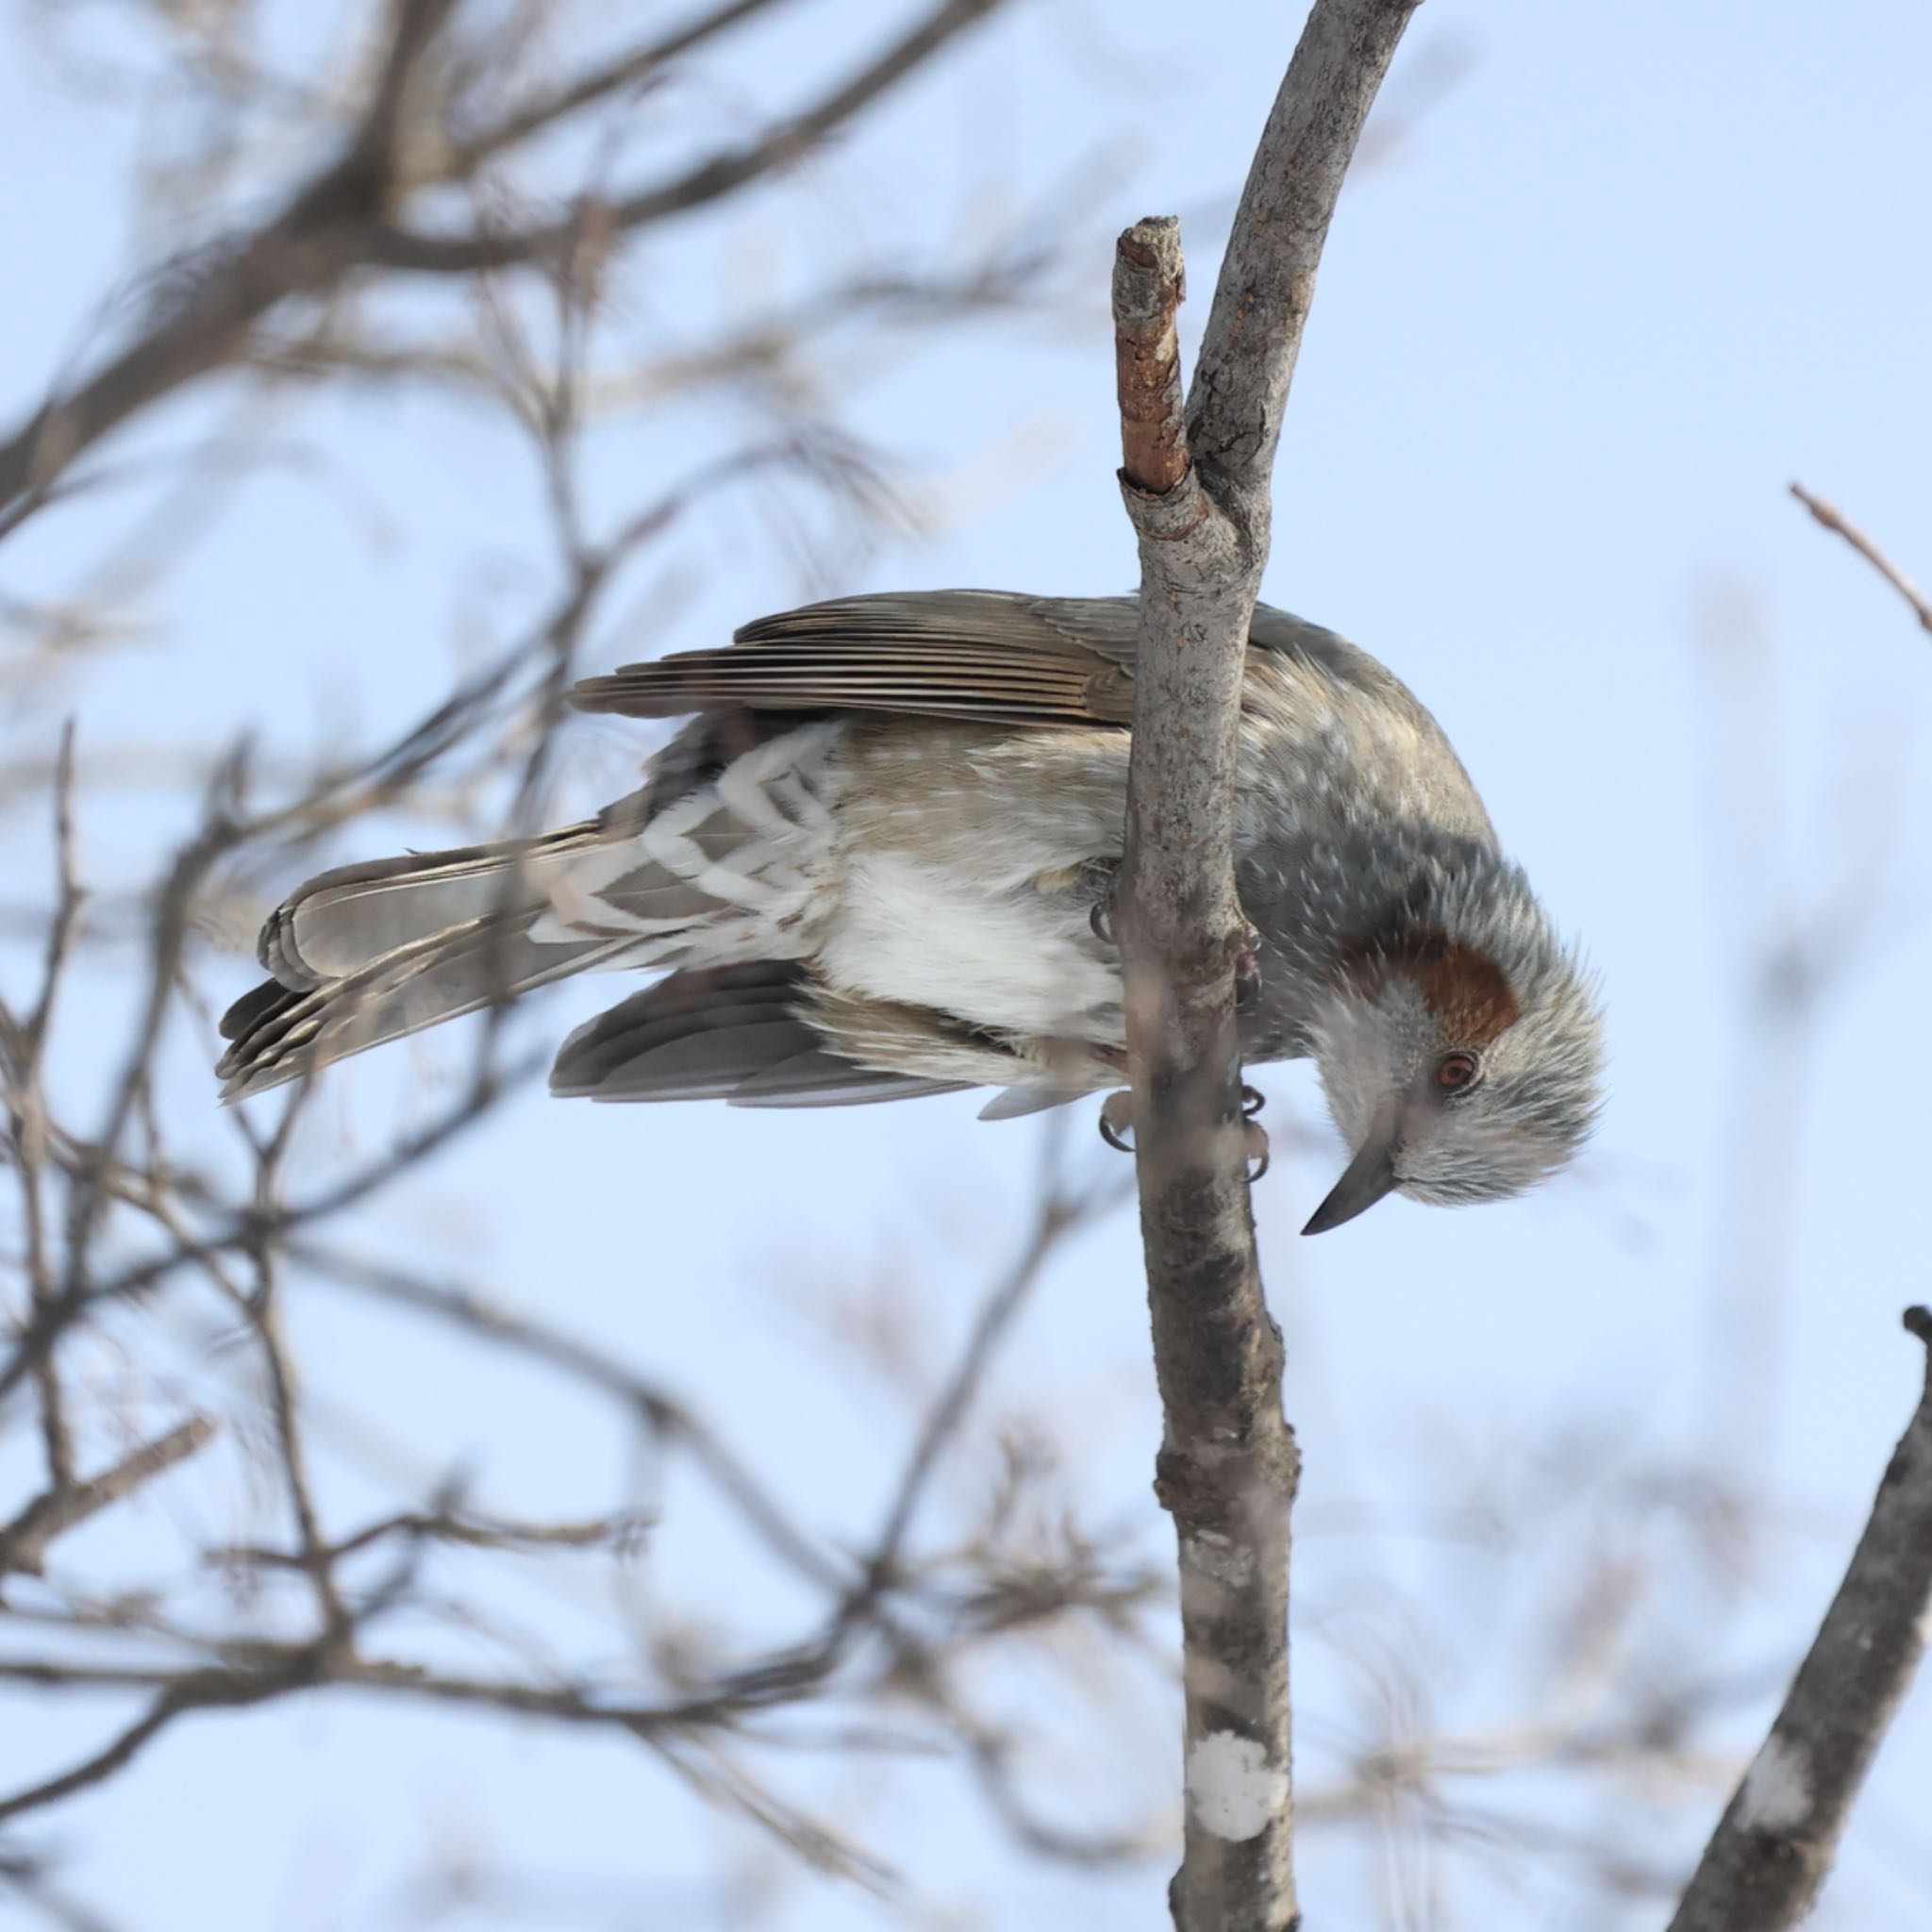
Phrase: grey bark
pixel 1779 1834
pixel 1197 493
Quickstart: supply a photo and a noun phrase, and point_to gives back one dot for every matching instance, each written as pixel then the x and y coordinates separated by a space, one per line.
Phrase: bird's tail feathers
pixel 343 920
pixel 279 1033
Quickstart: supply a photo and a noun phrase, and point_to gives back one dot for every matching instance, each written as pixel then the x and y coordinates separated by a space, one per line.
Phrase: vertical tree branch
pixel 1779 1834
pixel 1198 496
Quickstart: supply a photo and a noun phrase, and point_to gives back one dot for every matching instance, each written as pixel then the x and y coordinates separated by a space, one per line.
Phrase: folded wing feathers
pixel 728 1033
pixel 952 654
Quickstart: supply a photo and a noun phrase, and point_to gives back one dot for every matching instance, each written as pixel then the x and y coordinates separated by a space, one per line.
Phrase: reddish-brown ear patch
pixel 1465 989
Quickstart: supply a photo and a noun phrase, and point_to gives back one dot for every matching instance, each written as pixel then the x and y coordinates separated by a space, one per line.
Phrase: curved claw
pixel 1247 970
pixel 1252 1101
pixel 1117 1126
pixel 1097 879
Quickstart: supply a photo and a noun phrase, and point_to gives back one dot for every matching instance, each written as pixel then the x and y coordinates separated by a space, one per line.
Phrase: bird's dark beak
pixel 1367 1178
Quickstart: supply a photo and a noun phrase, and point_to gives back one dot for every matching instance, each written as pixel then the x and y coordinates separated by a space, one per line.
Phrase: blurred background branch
pixel 1774 1844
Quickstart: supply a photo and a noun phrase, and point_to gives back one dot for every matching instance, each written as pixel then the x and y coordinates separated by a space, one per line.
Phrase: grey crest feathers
pixel 865 866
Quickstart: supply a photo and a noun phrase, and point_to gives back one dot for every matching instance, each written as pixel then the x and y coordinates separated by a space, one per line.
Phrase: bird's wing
pixel 984 655
pixel 993 656
pixel 731 1033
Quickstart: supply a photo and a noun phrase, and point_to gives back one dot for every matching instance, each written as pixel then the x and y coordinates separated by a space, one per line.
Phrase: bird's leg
pixel 1096 879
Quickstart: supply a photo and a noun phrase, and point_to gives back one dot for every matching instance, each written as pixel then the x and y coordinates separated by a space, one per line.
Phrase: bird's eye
pixel 1457 1071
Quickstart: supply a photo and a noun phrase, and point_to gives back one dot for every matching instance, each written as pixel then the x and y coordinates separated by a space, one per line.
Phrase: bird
pixel 875 862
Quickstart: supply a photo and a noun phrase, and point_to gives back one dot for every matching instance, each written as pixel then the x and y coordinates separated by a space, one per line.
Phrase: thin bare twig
pixel 23 1541
pixel 538 1341
pixel 27 1108
pixel 1060 1213
pixel 630 73
pixel 1835 519
pixel 387 246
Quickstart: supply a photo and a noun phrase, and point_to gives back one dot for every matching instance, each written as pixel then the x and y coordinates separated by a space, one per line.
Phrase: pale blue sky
pixel 1638 269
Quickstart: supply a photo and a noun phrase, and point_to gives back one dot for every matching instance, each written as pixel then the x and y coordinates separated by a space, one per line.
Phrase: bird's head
pixel 1458 1068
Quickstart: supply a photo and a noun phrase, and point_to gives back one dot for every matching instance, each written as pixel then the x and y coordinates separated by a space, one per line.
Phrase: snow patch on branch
pixel 1232 1789
pixel 1217 1556
pixel 1777 1790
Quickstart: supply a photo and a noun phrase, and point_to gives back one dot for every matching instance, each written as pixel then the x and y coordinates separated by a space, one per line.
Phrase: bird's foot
pixel 1097 880
pixel 1117 1120
pixel 1247 969
pixel 1117 1128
